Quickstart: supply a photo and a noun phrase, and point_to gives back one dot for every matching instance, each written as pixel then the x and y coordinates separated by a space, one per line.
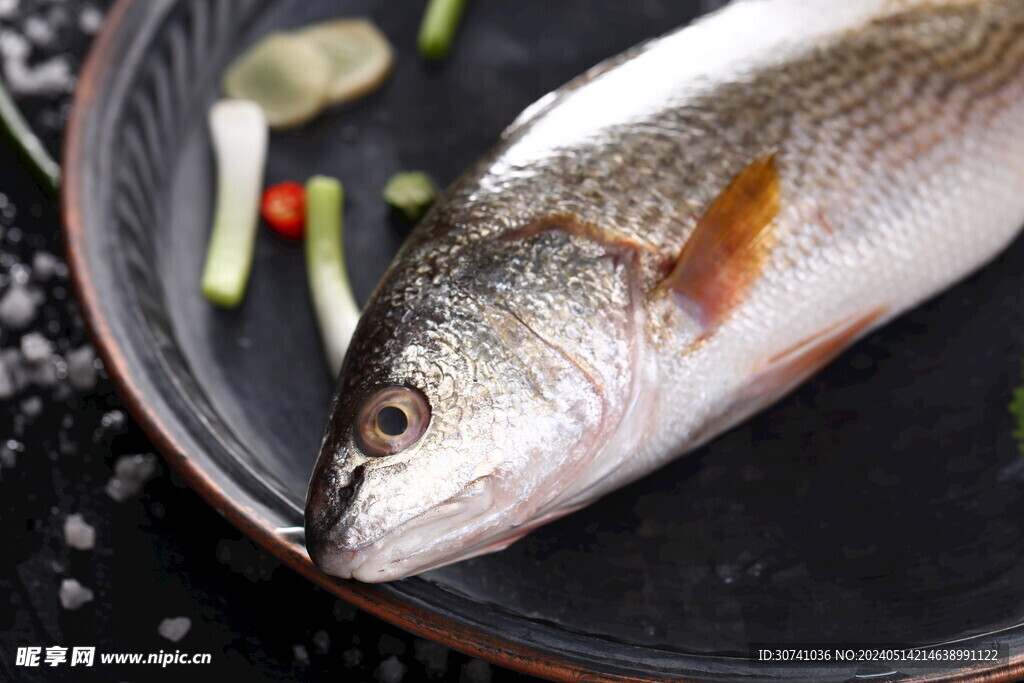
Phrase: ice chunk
pixel 82 368
pixel 391 670
pixel 73 594
pixel 78 533
pixel 35 348
pixel 174 628
pixel 131 472
pixel 18 308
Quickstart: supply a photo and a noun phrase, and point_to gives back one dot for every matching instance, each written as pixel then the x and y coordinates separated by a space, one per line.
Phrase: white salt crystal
pixel 38 30
pixel 90 20
pixel 174 628
pixel 20 273
pixel 58 15
pixel 8 8
pixel 44 265
pixel 352 657
pixel 78 533
pixel 16 367
pixel 433 656
pixel 82 368
pixel 40 374
pixel 50 77
pixel 131 472
pixel 391 670
pixel 31 407
pixel 35 348
pixel 13 46
pixel 116 489
pixel 8 456
pixel 8 386
pixel 18 308
pixel 138 468
pixel 322 642
pixel 73 594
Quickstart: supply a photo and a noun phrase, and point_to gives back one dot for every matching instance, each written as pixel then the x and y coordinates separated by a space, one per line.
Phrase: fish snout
pixel 326 504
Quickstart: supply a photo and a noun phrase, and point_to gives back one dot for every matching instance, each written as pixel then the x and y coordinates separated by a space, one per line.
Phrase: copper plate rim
pixel 418 620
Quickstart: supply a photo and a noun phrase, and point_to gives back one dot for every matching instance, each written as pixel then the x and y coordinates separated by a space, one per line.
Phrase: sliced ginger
pixel 293 76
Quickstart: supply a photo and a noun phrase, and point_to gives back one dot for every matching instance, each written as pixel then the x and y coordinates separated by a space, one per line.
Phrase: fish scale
pixel 660 249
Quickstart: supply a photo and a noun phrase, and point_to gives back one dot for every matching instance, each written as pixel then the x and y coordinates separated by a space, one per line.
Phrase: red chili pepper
pixel 284 209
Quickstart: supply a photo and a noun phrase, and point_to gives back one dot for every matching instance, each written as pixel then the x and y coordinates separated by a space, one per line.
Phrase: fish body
pixel 658 250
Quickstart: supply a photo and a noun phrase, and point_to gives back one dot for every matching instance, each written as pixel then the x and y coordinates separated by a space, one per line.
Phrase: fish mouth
pixel 435 537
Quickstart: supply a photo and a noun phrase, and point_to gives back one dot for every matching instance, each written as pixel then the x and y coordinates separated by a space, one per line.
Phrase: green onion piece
pixel 239 131
pixel 437 32
pixel 333 301
pixel 44 169
pixel 411 192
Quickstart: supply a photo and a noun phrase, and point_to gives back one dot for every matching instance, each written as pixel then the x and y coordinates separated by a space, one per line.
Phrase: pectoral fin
pixel 726 253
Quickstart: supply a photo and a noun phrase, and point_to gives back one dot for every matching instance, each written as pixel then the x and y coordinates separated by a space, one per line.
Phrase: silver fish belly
pixel 658 250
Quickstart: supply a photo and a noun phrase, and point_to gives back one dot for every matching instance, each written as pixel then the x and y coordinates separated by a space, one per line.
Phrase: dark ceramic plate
pixel 882 503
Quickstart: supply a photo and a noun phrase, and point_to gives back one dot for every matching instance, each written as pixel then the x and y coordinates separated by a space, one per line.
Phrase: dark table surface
pixel 163 553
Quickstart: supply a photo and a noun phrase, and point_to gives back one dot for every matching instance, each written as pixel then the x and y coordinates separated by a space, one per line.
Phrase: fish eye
pixel 390 420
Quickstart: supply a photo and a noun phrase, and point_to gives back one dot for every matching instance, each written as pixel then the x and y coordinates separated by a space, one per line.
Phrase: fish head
pixel 454 425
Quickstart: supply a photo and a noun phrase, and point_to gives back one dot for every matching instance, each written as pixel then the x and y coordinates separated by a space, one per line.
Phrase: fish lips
pixel 419 544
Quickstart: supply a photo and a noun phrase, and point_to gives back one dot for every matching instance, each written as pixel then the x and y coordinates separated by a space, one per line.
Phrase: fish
pixel 655 252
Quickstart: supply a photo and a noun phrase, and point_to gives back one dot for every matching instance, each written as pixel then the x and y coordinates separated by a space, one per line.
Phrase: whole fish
pixel 656 251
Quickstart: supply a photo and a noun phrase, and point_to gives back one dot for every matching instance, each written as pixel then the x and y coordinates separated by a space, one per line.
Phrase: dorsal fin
pixel 725 254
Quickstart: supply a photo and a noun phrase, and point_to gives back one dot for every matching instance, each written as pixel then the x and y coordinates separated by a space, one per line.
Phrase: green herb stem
pixel 27 146
pixel 437 32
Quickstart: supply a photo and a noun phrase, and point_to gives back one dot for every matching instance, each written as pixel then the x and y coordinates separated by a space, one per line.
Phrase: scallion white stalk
pixel 239 130
pixel 336 310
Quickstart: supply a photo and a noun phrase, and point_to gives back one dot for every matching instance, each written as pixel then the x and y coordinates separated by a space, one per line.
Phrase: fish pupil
pixel 392 421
